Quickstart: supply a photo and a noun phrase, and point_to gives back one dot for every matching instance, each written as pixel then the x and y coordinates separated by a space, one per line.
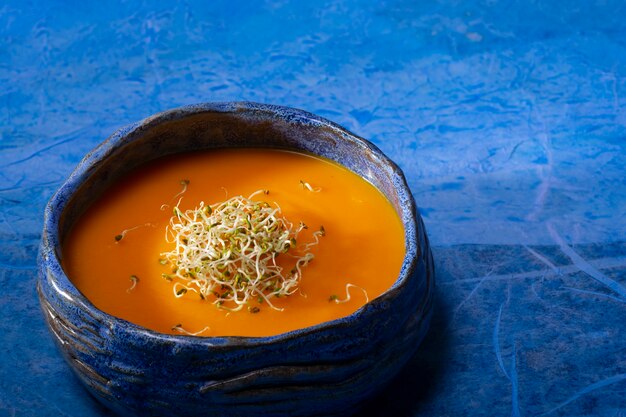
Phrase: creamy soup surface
pixel 358 258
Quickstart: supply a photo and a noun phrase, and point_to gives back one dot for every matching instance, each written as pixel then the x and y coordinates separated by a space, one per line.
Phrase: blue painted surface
pixel 508 118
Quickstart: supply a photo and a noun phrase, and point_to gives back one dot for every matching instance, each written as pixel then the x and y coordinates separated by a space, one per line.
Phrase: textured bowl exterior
pixel 324 370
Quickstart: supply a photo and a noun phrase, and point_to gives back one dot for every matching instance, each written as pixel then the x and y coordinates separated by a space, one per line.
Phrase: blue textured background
pixel 508 118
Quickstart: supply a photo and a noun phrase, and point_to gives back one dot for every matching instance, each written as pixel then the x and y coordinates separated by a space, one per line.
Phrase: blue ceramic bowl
pixel 324 370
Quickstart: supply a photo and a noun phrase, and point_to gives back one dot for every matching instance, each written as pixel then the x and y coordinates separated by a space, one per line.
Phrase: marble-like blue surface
pixel 508 118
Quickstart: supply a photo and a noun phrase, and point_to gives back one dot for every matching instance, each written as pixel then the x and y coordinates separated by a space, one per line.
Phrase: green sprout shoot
pixel 308 187
pixel 336 299
pixel 316 236
pixel 180 329
pixel 185 183
pixel 134 280
pixel 122 235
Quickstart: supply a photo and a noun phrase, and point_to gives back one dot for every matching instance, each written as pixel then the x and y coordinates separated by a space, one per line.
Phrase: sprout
pixel 316 236
pixel 179 328
pixel 185 183
pixel 122 235
pixel 308 186
pixel 134 279
pixel 345 300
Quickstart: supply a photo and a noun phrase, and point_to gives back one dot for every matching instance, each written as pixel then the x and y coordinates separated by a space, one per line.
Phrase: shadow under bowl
pixel 323 370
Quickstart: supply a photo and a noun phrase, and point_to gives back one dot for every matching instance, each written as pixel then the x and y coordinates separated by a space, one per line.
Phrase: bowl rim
pixel 50 264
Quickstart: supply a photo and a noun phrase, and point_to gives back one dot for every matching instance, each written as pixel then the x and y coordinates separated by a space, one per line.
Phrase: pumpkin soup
pixel 246 242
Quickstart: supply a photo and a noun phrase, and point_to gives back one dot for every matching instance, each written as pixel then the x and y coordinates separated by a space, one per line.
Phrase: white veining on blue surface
pixel 496 343
pixel 587 389
pixel 621 300
pixel 507 116
pixel 543 259
pixel 585 266
pixel 603 263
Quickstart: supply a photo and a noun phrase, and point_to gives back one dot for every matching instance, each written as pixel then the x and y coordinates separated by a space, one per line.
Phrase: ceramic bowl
pixel 324 370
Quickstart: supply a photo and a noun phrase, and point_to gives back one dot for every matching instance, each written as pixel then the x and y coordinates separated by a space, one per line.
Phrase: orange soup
pixel 114 253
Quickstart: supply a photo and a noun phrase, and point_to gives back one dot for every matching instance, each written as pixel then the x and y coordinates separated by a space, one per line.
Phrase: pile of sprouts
pixel 227 252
